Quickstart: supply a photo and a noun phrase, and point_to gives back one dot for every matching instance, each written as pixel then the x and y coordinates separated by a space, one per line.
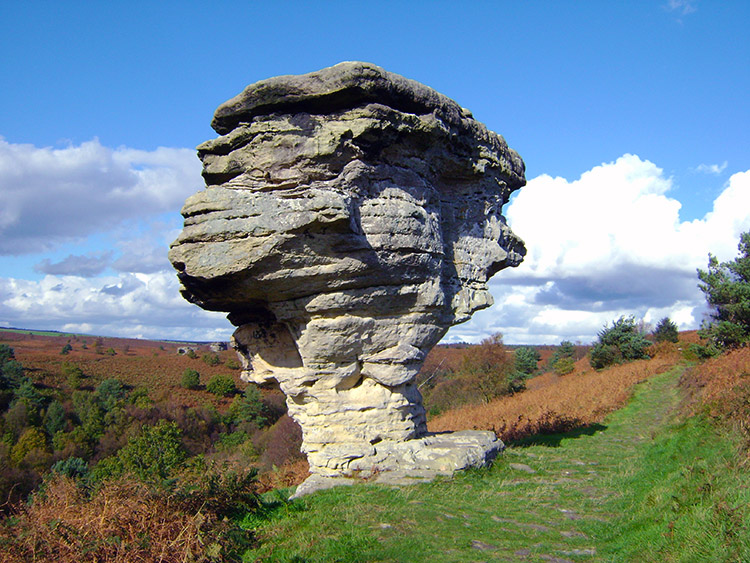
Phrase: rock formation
pixel 350 217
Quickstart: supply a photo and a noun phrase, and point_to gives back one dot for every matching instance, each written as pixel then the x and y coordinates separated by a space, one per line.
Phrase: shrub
pixel 73 467
pixel 564 365
pixel 620 343
pixel 231 363
pixel 12 375
pixel 74 375
pixel 282 442
pixel 124 520
pixel 248 408
pixel 727 289
pixel 89 412
pixel 32 439
pixel 6 353
pixel 152 456
pixel 527 359
pixel 28 392
pixel 221 385
pixel 666 331
pixel 66 349
pixel 17 418
pixel 211 359
pixel 54 418
pixel 110 393
pixel 490 366
pixel 565 356
pixel 191 379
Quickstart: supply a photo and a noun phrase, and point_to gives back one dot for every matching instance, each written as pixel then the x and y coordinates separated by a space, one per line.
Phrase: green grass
pixel 40 332
pixel 637 488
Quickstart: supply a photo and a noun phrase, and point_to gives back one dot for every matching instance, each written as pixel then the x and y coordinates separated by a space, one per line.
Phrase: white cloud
pixel 608 244
pixel 53 196
pixel 714 169
pixel 682 7
pixel 87 265
pixel 137 305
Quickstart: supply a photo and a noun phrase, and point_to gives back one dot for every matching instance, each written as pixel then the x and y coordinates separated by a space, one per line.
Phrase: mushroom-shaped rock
pixel 350 217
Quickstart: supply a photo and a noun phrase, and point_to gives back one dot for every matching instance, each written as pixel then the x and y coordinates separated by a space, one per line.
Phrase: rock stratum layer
pixel 350 217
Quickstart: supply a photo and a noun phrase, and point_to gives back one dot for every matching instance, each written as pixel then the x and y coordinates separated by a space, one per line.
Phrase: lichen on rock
pixel 350 217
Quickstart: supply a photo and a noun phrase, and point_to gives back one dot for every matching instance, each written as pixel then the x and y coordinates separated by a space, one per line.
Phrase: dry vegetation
pixel 555 403
pixel 139 363
pixel 720 387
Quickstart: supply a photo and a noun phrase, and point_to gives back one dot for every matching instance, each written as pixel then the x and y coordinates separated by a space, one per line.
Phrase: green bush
pixel 666 331
pixel 12 375
pixel 221 385
pixel 564 353
pixel 564 365
pixel 727 289
pixel 73 467
pixel 191 379
pixel 74 375
pixel 152 456
pixel 32 439
pixel 527 359
pixel 90 413
pixel 111 392
pixel 6 353
pixel 622 342
pixel 248 408
pixel 66 349
pixel 211 359
pixel 54 418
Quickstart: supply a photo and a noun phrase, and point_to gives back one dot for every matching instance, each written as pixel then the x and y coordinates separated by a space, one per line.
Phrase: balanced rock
pixel 350 217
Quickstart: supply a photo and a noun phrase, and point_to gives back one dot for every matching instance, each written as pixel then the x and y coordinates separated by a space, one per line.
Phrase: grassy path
pixel 565 498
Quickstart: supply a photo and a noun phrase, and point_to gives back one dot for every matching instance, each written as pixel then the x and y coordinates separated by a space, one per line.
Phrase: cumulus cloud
pixel 608 244
pixel 135 305
pixel 51 196
pixel 87 265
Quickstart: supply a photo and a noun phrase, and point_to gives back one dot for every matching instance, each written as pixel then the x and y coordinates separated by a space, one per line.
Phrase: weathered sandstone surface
pixel 350 217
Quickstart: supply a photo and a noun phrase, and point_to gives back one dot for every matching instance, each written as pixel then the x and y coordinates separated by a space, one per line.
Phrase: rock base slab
pixel 414 461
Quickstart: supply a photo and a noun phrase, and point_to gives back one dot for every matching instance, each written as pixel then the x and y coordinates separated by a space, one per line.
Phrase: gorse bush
pixel 191 379
pixel 111 392
pixel 221 385
pixel 152 456
pixel 211 359
pixel 622 342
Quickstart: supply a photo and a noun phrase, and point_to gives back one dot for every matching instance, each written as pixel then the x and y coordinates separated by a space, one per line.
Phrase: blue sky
pixel 631 117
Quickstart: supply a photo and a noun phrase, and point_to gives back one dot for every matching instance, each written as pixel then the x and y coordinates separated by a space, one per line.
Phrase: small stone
pixel 482 546
pixel 580 552
pixel 572 534
pixel 569 514
pixel 522 467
